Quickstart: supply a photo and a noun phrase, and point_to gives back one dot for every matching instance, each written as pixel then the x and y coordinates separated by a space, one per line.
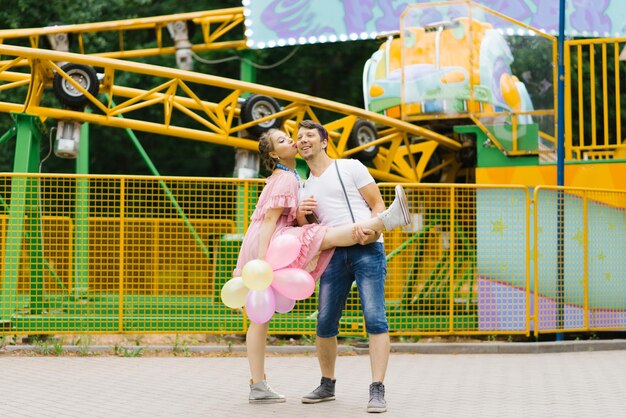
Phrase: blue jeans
pixel 366 264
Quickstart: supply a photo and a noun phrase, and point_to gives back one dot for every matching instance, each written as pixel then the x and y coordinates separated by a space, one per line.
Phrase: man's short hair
pixel 309 124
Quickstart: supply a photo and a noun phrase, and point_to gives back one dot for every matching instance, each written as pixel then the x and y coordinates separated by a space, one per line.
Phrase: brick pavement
pixel 572 384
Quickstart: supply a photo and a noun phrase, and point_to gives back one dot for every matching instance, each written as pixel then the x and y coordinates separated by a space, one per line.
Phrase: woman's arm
pixel 268 226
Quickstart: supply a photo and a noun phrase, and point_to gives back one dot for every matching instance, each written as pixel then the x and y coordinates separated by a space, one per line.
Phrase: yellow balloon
pixel 257 274
pixel 234 293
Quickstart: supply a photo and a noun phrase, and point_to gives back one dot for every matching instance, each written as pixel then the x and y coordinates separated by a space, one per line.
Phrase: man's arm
pixel 371 194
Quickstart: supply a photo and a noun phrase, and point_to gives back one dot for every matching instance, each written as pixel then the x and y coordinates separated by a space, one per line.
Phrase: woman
pixel 275 214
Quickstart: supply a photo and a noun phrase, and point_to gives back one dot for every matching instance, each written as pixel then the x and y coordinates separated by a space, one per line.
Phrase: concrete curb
pixel 509 348
pixel 408 348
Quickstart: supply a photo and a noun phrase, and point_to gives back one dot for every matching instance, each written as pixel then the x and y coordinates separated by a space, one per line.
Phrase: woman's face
pixel 284 147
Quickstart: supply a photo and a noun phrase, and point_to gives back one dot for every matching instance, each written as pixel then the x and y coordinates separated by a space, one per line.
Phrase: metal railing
pixel 111 254
pixel 593 91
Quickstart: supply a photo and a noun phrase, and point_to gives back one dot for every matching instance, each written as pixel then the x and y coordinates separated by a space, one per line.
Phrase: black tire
pixel 85 76
pixel 362 133
pixel 256 107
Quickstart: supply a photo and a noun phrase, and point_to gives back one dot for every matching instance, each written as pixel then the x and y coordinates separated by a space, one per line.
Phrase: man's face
pixel 310 143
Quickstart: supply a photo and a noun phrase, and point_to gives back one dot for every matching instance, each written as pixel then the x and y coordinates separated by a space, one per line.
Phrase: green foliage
pixel 533 66
pixel 7 340
pixel 180 347
pixel 49 347
pixel 36 13
pixel 122 351
pixel 330 71
pixel 84 345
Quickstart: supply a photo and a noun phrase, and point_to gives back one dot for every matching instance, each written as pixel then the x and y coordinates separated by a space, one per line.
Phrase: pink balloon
pixel 260 305
pixel 293 283
pixel 282 251
pixel 283 303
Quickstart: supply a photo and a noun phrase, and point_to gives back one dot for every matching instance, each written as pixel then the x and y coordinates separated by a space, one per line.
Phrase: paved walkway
pixel 577 383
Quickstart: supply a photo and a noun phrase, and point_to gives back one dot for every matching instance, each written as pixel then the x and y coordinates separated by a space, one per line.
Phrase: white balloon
pixel 234 293
pixel 257 274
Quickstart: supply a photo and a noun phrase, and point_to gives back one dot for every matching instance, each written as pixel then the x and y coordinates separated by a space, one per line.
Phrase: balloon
pixel 293 283
pixel 283 303
pixel 260 305
pixel 282 251
pixel 257 274
pixel 234 293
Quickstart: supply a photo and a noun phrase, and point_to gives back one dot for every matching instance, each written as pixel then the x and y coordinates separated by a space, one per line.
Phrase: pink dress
pixel 281 191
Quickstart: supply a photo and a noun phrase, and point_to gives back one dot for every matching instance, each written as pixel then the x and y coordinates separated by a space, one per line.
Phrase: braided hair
pixel 265 147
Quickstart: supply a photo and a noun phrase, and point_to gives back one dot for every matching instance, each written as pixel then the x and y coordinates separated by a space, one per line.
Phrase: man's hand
pixel 306 207
pixel 364 235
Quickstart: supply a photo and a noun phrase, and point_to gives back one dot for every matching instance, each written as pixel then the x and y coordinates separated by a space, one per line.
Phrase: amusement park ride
pixel 441 100
pixel 442 103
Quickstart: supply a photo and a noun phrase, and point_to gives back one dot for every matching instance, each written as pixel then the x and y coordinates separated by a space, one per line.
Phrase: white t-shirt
pixel 332 209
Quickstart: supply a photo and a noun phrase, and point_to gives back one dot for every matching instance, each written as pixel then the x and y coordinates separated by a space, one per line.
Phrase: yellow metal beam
pixel 213 25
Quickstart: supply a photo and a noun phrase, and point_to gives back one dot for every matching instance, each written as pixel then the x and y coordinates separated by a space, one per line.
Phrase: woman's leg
pixel 255 346
pixel 341 236
pixel 395 216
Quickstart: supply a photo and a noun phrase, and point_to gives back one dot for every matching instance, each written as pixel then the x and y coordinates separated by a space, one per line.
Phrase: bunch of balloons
pixel 268 286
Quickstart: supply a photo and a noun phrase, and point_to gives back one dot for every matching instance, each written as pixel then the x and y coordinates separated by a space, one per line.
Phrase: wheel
pixel 256 107
pixel 363 132
pixel 69 95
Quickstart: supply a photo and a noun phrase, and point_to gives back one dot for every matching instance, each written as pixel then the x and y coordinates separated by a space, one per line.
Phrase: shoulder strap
pixel 344 191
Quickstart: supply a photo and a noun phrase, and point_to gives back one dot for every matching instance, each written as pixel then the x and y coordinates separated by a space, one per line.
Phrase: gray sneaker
pixel 377 401
pixel 324 392
pixel 398 212
pixel 261 392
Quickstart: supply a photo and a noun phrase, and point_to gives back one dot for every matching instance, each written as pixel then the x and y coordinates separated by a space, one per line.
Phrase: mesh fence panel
pixel 110 254
pixel 580 273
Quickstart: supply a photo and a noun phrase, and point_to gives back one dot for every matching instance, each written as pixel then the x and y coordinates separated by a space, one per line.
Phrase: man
pixel 324 195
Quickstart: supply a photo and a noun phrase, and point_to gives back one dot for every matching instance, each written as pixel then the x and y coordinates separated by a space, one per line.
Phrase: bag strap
pixel 344 191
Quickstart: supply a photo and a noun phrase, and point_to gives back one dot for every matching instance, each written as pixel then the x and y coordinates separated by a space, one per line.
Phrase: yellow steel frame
pixel 177 90
pixel 214 25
